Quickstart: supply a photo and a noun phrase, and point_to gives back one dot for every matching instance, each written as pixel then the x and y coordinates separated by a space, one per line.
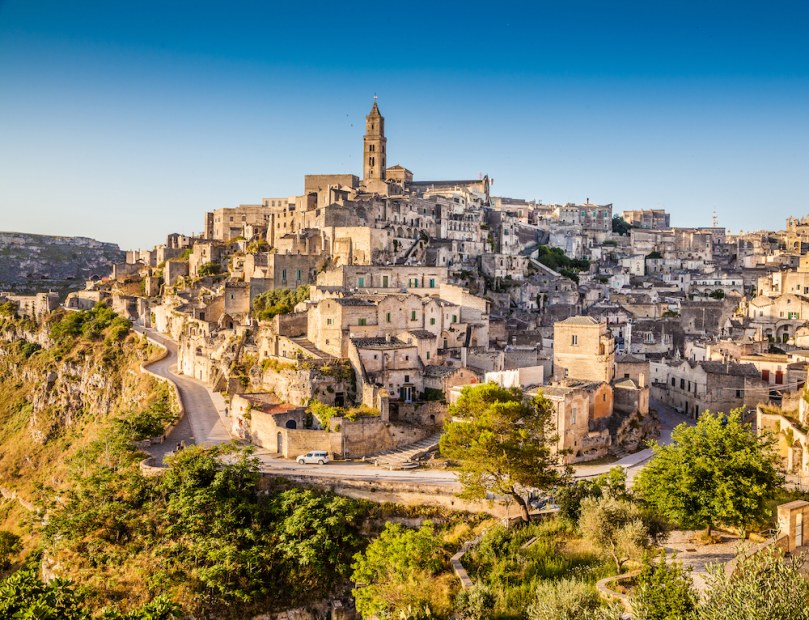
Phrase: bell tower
pixel 374 146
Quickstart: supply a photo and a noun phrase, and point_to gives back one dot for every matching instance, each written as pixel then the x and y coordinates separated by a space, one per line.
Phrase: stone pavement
pixel 697 557
pixel 204 422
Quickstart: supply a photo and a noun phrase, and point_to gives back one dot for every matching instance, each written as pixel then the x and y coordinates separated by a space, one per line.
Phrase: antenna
pixel 715 220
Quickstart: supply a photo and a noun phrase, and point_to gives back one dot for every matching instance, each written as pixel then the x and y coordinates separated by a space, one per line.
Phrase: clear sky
pixel 125 121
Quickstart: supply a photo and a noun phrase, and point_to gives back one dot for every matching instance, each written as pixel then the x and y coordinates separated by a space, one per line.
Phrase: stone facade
pixel 583 349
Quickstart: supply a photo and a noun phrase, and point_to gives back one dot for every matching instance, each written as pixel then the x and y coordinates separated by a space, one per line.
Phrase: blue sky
pixel 127 121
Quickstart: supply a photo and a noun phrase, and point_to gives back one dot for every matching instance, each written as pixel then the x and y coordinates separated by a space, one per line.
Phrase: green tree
pixel 764 586
pixel 616 527
pixel 664 591
pixel 718 471
pixel 570 496
pixel 278 301
pixel 209 269
pixel 505 443
pixel 395 572
pixel 9 545
pixel 569 599
pixel 620 225
pixel 23 595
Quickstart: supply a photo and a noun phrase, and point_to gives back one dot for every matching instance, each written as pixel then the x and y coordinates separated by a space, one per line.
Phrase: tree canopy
pixel 391 573
pixel 504 442
pixel 620 225
pixel 718 471
pixel 278 301
pixel 619 528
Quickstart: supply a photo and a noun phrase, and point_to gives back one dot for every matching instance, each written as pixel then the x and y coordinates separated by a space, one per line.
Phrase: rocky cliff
pixel 33 263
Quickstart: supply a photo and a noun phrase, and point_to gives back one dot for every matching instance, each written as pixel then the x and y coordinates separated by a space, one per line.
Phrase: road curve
pixel 201 423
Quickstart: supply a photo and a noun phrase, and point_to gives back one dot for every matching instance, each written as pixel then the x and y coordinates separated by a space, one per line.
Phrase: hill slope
pixel 31 263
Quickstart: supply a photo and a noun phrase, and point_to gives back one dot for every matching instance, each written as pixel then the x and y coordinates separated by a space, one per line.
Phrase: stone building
pixel 647 218
pixel 583 349
pixel 695 387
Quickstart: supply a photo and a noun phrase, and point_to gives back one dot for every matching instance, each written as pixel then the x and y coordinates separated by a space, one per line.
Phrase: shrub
pixel 568 599
pixel 9 545
pixel 664 592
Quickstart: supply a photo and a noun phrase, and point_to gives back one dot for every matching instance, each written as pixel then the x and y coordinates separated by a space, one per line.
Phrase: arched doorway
pixel 291 424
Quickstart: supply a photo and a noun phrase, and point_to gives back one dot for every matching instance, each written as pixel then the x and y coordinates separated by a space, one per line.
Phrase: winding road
pixel 204 423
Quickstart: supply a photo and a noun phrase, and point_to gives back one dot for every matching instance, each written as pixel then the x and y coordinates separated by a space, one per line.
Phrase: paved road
pixel 202 423
pixel 355 471
pixel 633 463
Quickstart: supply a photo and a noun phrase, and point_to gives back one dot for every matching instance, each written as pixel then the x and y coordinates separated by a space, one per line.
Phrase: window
pixel 432 282
pixel 298 274
pixel 454 318
pixel 387 317
pixel 428 355
pixel 432 321
pixel 412 315
pixel 574 340
pixel 361 281
pixel 384 281
pixel 407 358
pixel 682 384
pixel 283 275
pixel 573 411
pixel 329 321
pixel 407 379
pixel 362 322
pixel 672 382
pixel 739 393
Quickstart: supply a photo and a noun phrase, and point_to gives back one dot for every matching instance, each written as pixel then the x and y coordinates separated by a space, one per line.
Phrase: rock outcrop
pixel 32 263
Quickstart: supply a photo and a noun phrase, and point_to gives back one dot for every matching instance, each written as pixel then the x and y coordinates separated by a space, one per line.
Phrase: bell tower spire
pixel 374 146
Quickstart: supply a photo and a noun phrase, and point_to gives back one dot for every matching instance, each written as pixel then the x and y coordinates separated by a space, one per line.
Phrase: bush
pixel 396 573
pixel 568 599
pixel 278 301
pixel 476 603
pixel 9 545
pixel 764 586
pixel 664 592
pixel 209 269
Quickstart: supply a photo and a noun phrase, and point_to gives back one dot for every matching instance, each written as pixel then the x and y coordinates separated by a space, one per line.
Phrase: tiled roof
pixel 422 334
pixel 580 320
pixel 379 343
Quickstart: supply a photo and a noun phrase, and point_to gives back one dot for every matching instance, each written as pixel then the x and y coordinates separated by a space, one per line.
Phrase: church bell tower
pixel 374 146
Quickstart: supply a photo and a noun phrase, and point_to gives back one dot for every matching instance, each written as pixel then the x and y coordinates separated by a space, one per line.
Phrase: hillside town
pixel 346 319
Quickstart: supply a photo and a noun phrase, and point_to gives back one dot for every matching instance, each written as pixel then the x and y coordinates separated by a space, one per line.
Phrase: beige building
pixel 695 387
pixel 647 218
pixel 583 349
pixel 579 405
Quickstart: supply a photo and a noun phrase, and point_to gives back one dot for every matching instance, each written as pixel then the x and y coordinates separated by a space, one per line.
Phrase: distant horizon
pixel 122 122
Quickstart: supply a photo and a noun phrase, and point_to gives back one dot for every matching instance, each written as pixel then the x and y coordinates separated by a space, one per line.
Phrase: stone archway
pixel 291 424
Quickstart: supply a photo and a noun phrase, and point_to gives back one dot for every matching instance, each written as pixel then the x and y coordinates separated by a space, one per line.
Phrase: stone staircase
pixel 308 346
pixel 404 457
